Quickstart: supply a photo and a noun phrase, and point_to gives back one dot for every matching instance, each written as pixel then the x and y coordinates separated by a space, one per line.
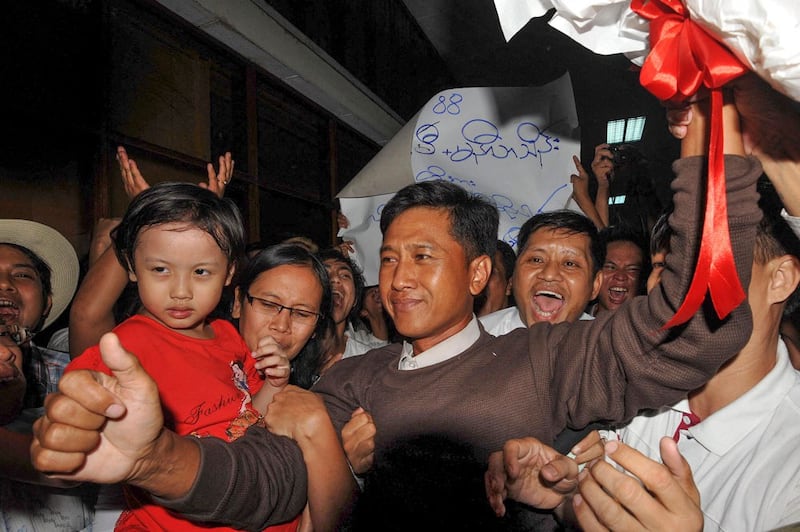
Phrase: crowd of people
pixel 475 387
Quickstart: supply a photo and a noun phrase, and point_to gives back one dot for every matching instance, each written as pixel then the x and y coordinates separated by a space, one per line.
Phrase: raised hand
pixel 603 164
pixel 217 181
pixel 132 179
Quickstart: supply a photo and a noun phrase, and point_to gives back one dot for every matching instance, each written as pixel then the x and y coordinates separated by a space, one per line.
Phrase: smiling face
pixel 343 289
pixel 426 283
pixel 289 285
pixel 22 301
pixel 553 279
pixel 180 271
pixel 621 272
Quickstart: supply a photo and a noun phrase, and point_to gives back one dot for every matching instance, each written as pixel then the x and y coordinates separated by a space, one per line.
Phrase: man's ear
pixel 236 312
pixel 480 269
pixel 784 278
pixel 597 284
pixel 231 271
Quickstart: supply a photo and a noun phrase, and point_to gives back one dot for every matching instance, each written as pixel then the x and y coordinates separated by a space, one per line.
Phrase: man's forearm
pixel 171 469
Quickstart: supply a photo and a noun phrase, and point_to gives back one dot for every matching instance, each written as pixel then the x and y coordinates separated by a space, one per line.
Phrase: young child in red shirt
pixel 180 244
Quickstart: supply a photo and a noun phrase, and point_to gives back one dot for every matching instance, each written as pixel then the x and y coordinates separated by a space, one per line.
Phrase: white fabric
pixel 359 342
pixel 444 350
pixel 506 320
pixel 792 221
pixel 744 457
pixel 764 34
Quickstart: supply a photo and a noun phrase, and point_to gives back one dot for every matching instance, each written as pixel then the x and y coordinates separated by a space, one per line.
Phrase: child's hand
pixel 272 362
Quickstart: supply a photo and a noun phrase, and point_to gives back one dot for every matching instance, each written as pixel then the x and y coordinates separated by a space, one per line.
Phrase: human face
pixel 371 304
pixel 497 289
pixel 343 289
pixel 553 279
pixel 620 274
pixel 657 262
pixel 22 301
pixel 180 271
pixel 426 283
pixel 289 285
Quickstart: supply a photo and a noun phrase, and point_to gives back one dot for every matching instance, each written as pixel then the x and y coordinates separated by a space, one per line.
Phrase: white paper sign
pixel 511 145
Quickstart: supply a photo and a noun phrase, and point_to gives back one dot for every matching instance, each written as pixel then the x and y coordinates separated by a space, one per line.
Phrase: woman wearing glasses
pixel 283 304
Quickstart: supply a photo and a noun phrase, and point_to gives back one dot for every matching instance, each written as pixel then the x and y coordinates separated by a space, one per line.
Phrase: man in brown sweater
pixel 452 382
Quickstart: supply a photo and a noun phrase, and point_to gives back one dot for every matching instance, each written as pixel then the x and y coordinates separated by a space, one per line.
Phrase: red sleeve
pixel 89 359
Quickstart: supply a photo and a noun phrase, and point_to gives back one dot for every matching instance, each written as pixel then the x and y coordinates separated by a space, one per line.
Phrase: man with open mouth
pixel 622 269
pixel 556 274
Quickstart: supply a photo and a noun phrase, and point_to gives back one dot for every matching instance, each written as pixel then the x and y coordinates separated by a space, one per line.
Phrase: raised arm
pixel 770 124
pixel 580 192
pixel 603 168
pixel 624 362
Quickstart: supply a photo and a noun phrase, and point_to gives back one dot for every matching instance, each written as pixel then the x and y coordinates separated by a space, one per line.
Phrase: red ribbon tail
pixel 716 269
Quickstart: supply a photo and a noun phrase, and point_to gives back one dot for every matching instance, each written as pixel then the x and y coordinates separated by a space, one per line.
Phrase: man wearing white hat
pixel 38 277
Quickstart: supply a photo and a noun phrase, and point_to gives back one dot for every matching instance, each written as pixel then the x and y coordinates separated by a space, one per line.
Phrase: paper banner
pixel 511 145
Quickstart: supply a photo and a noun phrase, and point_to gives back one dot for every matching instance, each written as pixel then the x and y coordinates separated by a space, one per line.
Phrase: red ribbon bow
pixel 682 57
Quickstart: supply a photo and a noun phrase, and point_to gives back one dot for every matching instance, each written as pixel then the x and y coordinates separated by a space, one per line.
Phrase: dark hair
pixel 774 237
pixel 473 220
pixel 180 202
pixel 660 234
pixel 306 365
pixel 508 257
pixel 336 255
pixel 564 220
pixel 42 270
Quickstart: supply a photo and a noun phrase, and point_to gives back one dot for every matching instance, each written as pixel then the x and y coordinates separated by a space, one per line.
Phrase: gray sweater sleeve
pixel 254 482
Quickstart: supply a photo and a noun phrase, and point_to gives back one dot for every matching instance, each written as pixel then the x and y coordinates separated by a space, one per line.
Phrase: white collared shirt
pixel 743 457
pixel 360 341
pixel 506 320
pixel 444 350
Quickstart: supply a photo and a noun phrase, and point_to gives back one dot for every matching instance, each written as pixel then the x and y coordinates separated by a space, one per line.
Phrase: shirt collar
pixel 444 350
pixel 722 430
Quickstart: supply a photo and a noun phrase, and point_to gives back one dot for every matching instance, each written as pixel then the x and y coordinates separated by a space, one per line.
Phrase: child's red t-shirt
pixel 205 387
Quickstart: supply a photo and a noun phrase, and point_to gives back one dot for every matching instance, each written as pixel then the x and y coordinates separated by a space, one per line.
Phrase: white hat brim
pixel 54 250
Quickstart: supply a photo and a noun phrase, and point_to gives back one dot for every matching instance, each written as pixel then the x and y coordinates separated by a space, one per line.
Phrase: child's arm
pixel 301 415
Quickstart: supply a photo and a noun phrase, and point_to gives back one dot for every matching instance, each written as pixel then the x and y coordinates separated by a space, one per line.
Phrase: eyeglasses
pixel 271 309
pixel 18 335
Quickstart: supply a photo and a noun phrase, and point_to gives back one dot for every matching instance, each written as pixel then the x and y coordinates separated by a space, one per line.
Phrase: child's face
pixel 180 271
